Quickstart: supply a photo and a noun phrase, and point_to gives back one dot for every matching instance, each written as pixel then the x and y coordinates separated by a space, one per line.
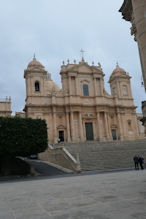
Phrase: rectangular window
pixel 85 90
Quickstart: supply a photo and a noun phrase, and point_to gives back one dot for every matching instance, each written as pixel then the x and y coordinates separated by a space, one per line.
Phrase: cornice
pixel 126 10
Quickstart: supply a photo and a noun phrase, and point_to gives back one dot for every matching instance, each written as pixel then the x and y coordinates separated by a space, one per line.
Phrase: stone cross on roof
pixel 82 52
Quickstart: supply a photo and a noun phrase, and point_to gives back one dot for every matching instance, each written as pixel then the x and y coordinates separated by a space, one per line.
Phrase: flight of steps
pixel 107 155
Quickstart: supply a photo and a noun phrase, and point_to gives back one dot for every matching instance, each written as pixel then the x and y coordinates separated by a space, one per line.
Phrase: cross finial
pixel 99 65
pixel 34 56
pixel 82 52
pixel 117 64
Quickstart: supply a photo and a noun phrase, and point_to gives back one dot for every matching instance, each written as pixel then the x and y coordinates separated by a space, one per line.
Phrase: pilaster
pixel 119 126
pixel 70 90
pixel 98 125
pixel 95 90
pixel 68 127
pixel 72 125
pixel 106 126
pixel 81 127
pixel 54 126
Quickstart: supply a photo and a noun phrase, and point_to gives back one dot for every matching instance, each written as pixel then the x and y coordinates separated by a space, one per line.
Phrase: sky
pixel 56 30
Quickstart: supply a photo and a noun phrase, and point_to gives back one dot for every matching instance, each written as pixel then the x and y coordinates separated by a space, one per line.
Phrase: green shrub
pixel 22 136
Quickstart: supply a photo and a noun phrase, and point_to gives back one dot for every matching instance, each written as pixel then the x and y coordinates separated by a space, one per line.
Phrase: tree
pixel 22 136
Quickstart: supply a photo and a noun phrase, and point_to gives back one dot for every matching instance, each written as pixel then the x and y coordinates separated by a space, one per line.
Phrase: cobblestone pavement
pixel 100 196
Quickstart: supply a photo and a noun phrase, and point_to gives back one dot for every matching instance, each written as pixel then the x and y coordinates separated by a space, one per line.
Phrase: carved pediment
pixel 89 115
pixel 61 127
pixel 85 81
pixel 113 126
pixel 82 67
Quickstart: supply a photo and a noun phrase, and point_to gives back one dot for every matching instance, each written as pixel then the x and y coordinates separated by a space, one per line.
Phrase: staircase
pixel 107 155
pixel 46 168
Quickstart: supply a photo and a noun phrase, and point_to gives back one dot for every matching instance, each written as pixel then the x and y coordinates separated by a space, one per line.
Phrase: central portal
pixel 89 131
pixel 61 136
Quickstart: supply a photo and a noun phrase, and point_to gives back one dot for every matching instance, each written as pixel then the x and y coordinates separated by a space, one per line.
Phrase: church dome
pixel 51 86
pixel 118 72
pixel 34 64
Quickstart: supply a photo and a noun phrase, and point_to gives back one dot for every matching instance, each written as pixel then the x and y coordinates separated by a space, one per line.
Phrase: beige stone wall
pixel 141 128
pixel 20 114
pixel 139 21
pixel 135 12
pixel 5 107
pixel 70 111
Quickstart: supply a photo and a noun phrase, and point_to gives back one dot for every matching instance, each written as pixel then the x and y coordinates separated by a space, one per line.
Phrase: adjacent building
pixel 82 109
pixel 5 107
pixel 135 12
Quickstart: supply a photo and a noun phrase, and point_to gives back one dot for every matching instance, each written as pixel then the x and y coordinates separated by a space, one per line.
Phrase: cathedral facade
pixel 81 110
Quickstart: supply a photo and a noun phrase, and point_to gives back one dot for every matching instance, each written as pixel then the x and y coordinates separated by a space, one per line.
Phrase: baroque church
pixel 81 110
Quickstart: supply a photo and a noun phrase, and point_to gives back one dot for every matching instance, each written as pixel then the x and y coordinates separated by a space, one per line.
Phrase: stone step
pixel 107 155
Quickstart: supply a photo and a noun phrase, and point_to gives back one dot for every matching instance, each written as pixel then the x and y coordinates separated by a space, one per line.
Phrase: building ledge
pixel 126 10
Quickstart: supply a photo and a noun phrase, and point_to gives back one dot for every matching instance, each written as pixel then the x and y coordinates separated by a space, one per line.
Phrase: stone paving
pixel 95 196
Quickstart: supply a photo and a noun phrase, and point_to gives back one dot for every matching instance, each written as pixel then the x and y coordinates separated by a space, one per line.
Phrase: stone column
pixel 106 125
pixel 77 87
pixel 119 126
pixel 122 126
pixel 81 127
pixel 72 125
pixel 109 127
pixel 54 126
pixel 101 86
pixel 70 90
pixel 95 90
pixel 136 126
pixel 68 127
pixel 98 125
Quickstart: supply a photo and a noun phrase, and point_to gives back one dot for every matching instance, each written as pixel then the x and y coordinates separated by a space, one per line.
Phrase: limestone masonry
pixel 5 107
pixel 82 110
pixel 135 12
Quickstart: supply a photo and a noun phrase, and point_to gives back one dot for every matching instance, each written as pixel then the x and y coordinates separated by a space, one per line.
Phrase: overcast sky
pixel 56 30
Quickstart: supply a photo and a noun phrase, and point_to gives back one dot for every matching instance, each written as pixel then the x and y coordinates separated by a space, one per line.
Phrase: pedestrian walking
pixel 142 158
pixel 141 161
pixel 136 160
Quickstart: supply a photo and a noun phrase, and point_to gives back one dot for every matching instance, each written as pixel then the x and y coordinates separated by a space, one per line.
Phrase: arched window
pixel 37 86
pixel 124 90
pixel 85 90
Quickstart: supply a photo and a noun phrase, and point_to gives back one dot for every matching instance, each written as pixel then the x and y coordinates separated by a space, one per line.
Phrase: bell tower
pixel 35 76
pixel 120 84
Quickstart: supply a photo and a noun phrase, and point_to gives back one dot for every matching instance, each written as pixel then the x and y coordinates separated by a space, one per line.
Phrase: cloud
pixel 57 30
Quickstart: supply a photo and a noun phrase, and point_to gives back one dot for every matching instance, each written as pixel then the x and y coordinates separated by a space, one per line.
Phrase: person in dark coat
pixel 141 162
pixel 136 161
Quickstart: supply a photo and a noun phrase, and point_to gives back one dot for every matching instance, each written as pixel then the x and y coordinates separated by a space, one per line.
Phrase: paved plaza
pixel 102 196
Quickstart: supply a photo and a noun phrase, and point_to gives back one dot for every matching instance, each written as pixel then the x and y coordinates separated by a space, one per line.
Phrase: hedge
pixel 22 136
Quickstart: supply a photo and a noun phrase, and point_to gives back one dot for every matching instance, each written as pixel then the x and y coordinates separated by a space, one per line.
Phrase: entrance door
pixel 61 135
pixel 114 134
pixel 89 131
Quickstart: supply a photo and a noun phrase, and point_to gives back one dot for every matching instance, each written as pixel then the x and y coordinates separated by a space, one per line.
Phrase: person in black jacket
pixel 136 161
pixel 141 162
